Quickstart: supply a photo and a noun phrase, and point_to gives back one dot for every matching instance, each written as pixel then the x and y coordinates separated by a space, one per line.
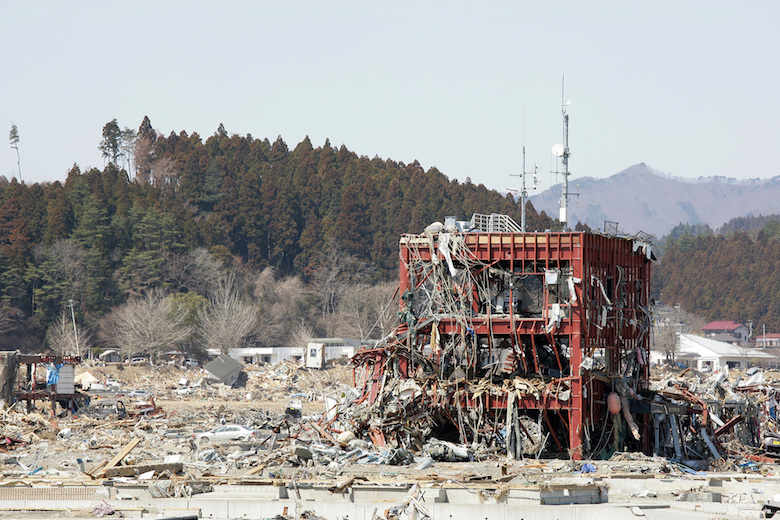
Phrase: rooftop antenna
pixel 523 189
pixel 562 150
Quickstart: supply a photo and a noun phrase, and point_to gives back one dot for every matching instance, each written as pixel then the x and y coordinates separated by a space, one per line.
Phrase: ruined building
pixel 513 341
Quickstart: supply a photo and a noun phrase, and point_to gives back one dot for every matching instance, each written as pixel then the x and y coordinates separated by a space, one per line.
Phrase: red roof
pixel 722 325
pixel 768 335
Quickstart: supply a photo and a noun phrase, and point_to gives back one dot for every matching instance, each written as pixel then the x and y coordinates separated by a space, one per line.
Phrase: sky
pixel 688 87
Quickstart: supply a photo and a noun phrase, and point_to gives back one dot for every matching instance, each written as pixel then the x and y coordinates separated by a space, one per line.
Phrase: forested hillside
pixel 723 277
pixel 750 225
pixel 180 228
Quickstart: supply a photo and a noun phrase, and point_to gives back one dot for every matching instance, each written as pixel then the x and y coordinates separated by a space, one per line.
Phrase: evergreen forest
pixel 181 243
pixel 731 275
pixel 185 243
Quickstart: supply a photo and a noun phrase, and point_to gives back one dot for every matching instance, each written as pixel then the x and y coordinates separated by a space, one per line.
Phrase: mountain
pixel 642 199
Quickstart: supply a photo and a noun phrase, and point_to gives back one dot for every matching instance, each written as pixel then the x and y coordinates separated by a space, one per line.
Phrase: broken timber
pixel 118 457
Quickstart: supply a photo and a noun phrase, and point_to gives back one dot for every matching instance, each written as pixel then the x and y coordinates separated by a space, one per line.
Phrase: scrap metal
pixel 511 341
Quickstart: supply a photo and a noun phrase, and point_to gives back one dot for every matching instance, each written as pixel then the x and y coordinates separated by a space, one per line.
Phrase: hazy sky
pixel 688 87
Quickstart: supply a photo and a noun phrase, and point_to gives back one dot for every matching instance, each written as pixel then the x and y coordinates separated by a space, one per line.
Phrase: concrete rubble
pixel 326 463
pixel 516 384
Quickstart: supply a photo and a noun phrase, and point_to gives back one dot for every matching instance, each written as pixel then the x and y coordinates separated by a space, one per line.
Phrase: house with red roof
pixel 732 328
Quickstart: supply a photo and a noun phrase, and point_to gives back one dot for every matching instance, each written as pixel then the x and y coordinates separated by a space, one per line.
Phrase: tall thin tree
pixel 14 138
pixel 111 144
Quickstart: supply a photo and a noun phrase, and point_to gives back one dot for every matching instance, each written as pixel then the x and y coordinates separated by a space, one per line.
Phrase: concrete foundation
pixel 579 498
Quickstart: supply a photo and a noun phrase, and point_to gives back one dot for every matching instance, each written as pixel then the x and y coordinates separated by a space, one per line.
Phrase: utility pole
pixel 75 330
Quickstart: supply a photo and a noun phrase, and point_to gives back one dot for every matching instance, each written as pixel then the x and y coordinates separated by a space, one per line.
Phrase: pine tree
pixel 13 137
pixel 111 143
pixel 59 214
pixel 93 234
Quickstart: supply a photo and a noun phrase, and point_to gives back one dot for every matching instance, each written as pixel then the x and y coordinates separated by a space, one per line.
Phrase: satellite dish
pixel 557 150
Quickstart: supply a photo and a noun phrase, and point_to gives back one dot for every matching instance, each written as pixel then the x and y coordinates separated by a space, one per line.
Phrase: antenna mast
pixel 563 152
pixel 523 190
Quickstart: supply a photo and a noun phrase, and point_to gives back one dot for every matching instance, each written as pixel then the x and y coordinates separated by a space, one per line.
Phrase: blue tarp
pixel 53 374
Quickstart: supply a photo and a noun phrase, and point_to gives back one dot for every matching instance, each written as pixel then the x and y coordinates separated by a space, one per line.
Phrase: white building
pixel 708 355
pixel 271 355
pixel 320 350
pixel 110 356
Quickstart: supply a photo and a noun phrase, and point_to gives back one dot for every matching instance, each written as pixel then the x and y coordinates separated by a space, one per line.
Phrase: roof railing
pixel 494 223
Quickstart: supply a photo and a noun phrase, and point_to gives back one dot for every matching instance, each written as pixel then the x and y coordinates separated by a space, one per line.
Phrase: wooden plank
pixel 255 470
pixel 121 455
pixel 97 467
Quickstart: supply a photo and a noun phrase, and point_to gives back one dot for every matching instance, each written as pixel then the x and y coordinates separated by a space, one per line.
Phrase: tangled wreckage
pixel 508 345
pixel 532 344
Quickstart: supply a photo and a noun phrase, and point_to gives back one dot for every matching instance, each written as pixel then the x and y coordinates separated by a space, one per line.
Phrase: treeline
pixel 750 225
pixel 179 222
pixel 721 277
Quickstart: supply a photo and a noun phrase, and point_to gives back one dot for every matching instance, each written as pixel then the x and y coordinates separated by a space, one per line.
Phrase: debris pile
pixel 511 342
pixel 723 419
pixel 341 442
pixel 537 346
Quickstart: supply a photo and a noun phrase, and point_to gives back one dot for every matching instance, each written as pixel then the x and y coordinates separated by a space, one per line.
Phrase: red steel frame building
pixel 567 309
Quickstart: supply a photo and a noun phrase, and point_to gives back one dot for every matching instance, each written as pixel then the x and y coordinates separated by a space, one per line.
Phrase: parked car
pixel 138 394
pixel 185 390
pixel 105 409
pixel 226 432
pixel 191 363
pixel 139 361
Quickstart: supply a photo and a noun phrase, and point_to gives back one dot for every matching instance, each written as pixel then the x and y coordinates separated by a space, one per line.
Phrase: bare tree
pixel 127 147
pixel 367 311
pixel 61 337
pixel 196 270
pixel 666 341
pixel 300 335
pixel 336 269
pixel 149 325
pixel 163 172
pixel 229 319
pixel 142 154
pixel 694 322
pixel 284 304
pixel 68 260
pixel 385 308
pixel 9 317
